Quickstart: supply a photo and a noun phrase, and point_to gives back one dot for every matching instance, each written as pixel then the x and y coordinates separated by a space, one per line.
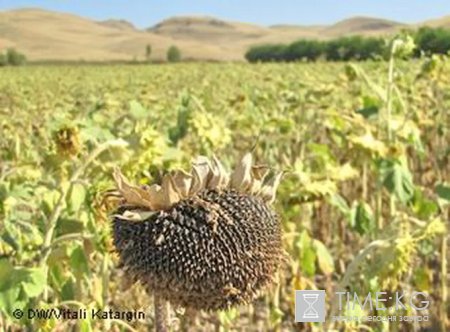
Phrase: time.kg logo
pixel 310 306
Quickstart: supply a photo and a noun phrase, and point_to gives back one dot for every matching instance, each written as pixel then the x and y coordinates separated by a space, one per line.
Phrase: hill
pixel 118 24
pixel 233 37
pixel 367 26
pixel 207 29
pixel 49 35
pixel 443 22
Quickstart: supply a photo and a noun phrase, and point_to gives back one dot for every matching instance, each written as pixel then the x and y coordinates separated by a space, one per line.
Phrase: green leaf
pixel 423 207
pixel 276 316
pixel 397 179
pixel 421 278
pixel 9 300
pixel 49 199
pixel 443 191
pixel 370 108
pixel 69 225
pixel 179 131
pixel 308 262
pixel 68 290
pixel 426 247
pixel 6 270
pixel 368 112
pixel 339 202
pixel 77 197
pixel 79 262
pixel 324 258
pixel 85 325
pixel 307 254
pixel 10 240
pixel 33 280
pixel 321 151
pixel 92 131
pixel 56 275
pixel 17 285
pixel 137 111
pixel 362 219
pixel 351 72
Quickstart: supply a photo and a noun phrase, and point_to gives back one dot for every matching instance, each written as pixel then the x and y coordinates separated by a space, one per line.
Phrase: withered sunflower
pixel 205 240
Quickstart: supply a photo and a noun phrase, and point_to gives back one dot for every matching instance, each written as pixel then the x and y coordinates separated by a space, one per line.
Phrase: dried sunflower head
pixel 67 141
pixel 206 239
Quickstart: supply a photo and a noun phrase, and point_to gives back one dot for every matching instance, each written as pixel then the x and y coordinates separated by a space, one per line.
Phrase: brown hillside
pixel 233 37
pixel 207 29
pixel 362 26
pixel 443 22
pixel 44 35
pixel 118 24
pixel 47 35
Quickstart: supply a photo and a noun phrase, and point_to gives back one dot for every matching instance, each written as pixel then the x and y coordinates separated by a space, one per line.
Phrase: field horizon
pixel 44 35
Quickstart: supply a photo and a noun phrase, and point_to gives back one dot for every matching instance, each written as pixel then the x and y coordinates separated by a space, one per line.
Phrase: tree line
pixel 12 58
pixel 173 53
pixel 428 41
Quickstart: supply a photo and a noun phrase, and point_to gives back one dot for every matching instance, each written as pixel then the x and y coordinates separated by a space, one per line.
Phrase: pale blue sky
pixel 144 13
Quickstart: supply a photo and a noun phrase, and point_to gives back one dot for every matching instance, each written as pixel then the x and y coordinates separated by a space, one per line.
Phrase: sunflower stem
pixel 161 314
pixel 64 192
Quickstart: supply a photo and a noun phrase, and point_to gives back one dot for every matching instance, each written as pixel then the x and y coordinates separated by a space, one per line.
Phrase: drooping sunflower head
pixel 67 141
pixel 206 239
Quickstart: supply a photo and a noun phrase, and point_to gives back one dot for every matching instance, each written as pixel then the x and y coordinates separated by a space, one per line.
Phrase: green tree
pixel 15 58
pixel 432 41
pixel 3 60
pixel 309 50
pixel 173 54
pixel 148 51
pixel 354 48
pixel 264 53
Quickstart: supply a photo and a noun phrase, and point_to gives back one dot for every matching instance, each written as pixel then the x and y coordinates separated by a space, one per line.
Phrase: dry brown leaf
pixel 156 196
pixel 200 173
pixel 269 191
pixel 205 174
pixel 132 195
pixel 241 177
pixel 168 190
pixel 182 183
pixel 260 172
pixel 219 176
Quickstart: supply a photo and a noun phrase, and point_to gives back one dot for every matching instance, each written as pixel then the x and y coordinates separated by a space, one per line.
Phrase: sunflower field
pixel 364 199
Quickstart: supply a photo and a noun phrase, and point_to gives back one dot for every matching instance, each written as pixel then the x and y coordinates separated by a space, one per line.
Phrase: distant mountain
pixel 118 24
pixel 207 29
pixel 443 22
pixel 362 26
pixel 49 35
